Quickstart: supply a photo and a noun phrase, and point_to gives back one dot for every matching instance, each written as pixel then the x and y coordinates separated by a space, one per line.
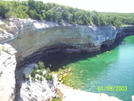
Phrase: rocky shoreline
pixel 46 90
pixel 45 37
pixel 70 94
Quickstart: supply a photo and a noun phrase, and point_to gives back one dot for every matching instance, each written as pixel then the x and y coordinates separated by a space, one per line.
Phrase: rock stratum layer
pixel 28 36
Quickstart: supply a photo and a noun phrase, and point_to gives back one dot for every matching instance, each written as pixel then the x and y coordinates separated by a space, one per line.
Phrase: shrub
pixel 40 78
pixel 41 65
pixel 45 75
pixel 33 79
pixel 40 72
pixel 37 78
pixel 33 73
pixel 48 76
pixel 36 67
pixel 48 70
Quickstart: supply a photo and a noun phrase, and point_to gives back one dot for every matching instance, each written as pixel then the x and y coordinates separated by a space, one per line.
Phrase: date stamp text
pixel 112 88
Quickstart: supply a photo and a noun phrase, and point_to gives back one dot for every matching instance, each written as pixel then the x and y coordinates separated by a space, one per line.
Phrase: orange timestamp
pixel 112 88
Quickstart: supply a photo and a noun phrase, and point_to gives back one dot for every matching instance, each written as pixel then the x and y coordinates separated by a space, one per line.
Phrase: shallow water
pixel 109 71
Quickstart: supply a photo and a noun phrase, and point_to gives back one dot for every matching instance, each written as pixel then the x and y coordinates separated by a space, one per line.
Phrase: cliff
pixel 31 38
pixel 28 36
pixel 7 72
pixel 33 90
pixel 46 90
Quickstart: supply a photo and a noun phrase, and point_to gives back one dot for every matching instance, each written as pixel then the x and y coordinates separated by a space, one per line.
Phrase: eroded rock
pixel 7 75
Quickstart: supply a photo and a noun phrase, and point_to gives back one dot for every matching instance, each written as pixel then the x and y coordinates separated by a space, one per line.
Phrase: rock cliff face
pixel 27 37
pixel 7 75
pixel 33 90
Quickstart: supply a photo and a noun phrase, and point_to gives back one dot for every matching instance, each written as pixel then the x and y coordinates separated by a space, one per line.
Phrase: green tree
pixel 48 76
pixel 95 17
pixel 41 65
pixel 33 73
pixel 43 12
pixel 57 16
pixel 40 78
pixel 36 67
pixel 4 8
pixel 49 15
pixel 18 11
pixel 60 13
pixel 48 70
pixel 33 14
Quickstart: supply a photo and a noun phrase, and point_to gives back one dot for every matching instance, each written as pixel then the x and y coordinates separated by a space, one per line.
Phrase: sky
pixel 123 6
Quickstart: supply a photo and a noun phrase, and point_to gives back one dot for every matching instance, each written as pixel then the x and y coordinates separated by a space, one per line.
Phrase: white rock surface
pixel 44 91
pixel 27 36
pixel 70 94
pixel 133 98
pixel 7 72
pixel 36 90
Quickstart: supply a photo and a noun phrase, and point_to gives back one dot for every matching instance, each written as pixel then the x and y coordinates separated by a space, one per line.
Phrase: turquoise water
pixel 109 71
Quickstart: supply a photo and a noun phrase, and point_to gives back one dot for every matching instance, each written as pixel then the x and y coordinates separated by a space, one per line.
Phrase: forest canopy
pixel 60 13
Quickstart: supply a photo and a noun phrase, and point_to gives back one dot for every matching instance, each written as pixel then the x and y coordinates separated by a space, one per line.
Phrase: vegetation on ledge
pixel 60 13
pixel 39 73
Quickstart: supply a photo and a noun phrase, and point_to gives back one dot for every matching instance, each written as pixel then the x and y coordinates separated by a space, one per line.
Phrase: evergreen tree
pixel 41 65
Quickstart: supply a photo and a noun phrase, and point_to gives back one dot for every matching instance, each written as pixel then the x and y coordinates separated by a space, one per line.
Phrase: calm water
pixel 94 72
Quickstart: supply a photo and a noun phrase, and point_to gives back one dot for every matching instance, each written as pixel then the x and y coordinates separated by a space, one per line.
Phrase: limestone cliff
pixel 28 36
pixel 33 90
pixel 7 72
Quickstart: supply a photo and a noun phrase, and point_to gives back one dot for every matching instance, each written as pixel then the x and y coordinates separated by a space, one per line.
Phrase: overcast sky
pixel 99 5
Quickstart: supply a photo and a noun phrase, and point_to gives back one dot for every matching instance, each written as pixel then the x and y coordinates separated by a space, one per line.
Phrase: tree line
pixel 60 13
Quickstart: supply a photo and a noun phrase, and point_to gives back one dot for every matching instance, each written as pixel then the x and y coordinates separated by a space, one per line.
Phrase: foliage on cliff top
pixel 59 13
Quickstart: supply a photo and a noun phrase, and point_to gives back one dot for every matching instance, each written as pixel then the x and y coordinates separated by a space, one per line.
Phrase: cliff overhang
pixel 31 37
